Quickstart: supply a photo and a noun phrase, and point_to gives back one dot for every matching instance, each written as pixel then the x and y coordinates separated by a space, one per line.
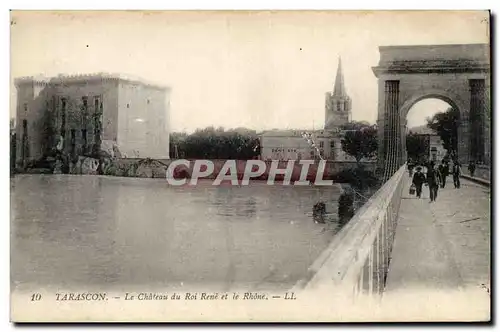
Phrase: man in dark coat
pixel 444 171
pixel 472 168
pixel 411 165
pixel 456 171
pixel 433 179
pixel 418 181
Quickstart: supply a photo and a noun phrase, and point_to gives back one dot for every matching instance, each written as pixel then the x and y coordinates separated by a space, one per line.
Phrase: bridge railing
pixel 357 260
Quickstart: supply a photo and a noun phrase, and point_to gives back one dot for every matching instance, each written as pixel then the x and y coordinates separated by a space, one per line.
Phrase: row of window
pixel 332 146
pixel 283 150
pixel 64 102
pixel 321 146
pixel 342 106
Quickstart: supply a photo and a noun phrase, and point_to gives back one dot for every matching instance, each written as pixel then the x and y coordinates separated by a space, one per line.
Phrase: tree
pixel 217 143
pixel 360 143
pixel 446 125
pixel 417 146
pixel 354 125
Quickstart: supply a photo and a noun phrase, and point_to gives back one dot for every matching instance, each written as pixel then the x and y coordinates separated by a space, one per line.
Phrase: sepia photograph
pixel 250 166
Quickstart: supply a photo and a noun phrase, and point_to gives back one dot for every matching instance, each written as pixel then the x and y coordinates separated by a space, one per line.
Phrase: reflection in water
pixel 77 231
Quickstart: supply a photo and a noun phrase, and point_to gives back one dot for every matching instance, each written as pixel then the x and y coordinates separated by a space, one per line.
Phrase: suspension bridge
pixel 398 242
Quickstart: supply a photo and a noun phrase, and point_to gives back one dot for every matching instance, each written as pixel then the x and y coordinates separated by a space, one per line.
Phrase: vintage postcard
pixel 250 166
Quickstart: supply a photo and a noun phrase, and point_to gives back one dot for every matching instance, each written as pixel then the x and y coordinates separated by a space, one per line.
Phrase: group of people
pixel 435 177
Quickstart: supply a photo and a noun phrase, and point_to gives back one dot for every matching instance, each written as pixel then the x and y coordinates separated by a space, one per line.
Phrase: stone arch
pixel 436 94
pixel 427 94
pixel 456 74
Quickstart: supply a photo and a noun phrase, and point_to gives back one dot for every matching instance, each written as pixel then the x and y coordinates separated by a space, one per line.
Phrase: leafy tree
pixel 217 143
pixel 417 146
pixel 354 125
pixel 446 125
pixel 360 143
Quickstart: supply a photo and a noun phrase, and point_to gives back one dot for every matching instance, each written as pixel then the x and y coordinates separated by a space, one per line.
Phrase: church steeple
pixel 337 103
pixel 339 88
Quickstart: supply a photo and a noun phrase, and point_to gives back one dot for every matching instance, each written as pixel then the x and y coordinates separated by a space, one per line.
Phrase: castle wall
pixel 143 121
pixel 78 112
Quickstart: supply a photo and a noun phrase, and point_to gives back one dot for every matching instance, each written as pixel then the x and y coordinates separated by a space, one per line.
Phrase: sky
pixel 424 109
pixel 260 70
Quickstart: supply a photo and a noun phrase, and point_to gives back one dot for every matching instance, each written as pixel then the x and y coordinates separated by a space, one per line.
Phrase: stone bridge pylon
pixel 456 74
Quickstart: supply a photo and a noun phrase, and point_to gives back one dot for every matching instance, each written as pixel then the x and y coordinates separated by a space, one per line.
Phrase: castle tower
pixel 338 103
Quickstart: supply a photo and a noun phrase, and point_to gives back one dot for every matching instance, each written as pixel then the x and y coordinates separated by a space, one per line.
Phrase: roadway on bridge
pixel 445 244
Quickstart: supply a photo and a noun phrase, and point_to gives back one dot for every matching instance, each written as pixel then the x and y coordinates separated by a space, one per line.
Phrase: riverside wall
pixel 157 168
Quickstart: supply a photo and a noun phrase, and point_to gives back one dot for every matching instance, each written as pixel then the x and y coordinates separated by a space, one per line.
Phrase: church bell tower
pixel 338 103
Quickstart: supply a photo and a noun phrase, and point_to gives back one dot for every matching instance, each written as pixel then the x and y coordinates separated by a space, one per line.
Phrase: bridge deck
pixel 445 244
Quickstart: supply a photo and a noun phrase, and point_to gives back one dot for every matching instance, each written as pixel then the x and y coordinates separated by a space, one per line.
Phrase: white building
pixel 436 149
pixel 292 145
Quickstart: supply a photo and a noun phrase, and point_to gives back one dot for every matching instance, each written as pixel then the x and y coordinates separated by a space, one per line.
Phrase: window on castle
pixel 321 144
pixel 25 144
pixel 332 150
pixel 96 104
pixel 25 107
pixel 84 139
pixel 73 141
pixel 63 116
pixel 85 109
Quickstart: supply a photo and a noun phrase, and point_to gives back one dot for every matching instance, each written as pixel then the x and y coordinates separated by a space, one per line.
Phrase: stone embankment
pixel 152 168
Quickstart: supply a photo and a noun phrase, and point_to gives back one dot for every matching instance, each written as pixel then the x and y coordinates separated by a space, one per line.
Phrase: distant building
pixel 436 150
pixel 85 113
pixel 291 145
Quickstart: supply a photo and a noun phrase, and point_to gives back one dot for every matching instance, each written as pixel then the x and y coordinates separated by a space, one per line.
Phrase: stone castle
pixel 84 114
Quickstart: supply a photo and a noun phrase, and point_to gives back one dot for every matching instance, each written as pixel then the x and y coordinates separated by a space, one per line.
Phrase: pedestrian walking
pixel 418 181
pixel 433 179
pixel 472 168
pixel 444 171
pixel 456 171
pixel 411 165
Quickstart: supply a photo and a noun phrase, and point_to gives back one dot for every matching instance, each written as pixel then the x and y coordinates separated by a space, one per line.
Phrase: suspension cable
pixel 308 137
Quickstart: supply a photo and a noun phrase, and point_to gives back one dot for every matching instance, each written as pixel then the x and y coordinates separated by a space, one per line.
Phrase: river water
pixel 70 231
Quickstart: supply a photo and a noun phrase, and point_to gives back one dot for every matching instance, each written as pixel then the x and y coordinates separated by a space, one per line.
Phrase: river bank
pixel 357 182
pixel 153 168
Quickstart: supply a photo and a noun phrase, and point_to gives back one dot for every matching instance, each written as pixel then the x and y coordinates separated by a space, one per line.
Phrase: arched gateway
pixel 457 74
